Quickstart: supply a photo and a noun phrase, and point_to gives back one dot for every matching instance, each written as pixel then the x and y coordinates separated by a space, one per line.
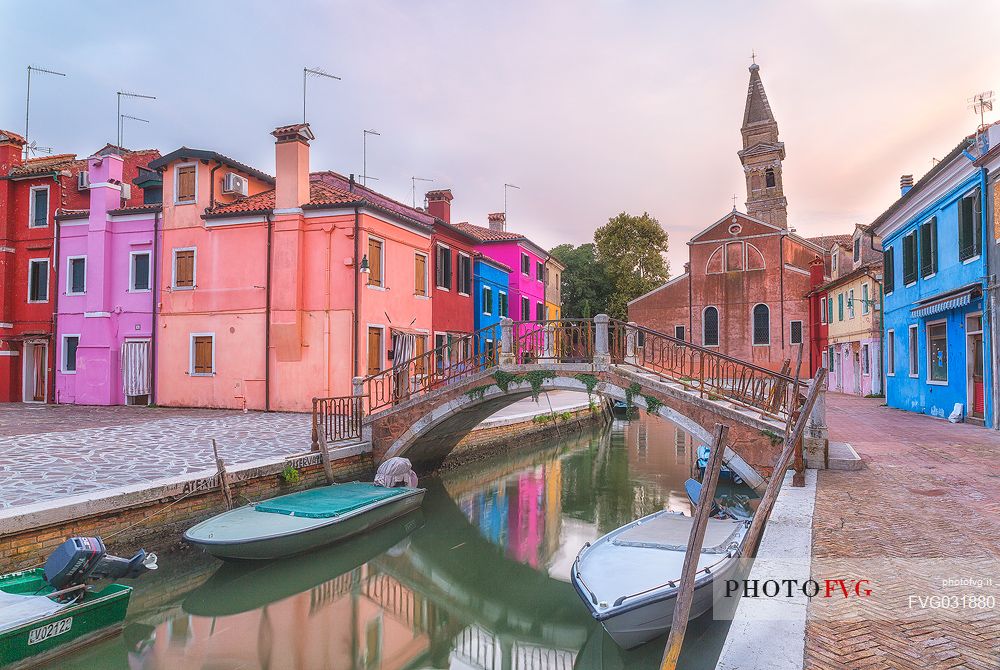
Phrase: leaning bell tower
pixel 761 156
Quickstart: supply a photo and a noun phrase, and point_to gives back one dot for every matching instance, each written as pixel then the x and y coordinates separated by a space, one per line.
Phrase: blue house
pixel 935 277
pixel 492 286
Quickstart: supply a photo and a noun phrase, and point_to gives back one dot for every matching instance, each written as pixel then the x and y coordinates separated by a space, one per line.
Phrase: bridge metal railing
pixel 335 419
pixel 559 340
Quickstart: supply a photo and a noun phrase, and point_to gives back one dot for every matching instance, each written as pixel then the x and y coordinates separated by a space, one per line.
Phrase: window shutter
pixel 203 354
pixel 420 275
pixel 374 262
pixel 41 213
pixel 374 351
pixel 185 183
pixel 910 258
pixel 888 259
pixel 184 268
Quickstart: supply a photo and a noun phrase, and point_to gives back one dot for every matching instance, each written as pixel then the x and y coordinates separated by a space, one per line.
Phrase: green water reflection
pixel 479 578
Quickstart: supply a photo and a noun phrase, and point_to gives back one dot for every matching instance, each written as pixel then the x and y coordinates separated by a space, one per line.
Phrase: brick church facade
pixel 744 286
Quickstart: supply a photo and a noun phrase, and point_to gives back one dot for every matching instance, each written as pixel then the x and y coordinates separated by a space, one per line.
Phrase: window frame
pixel 525 307
pixel 822 310
pixel 381 285
pixel 890 351
pixel 192 354
pixel 31 205
pixel 382 348
pixel 62 353
pixel 753 325
pixel 718 326
pixel 866 296
pixel 976 227
pixel 857 249
pixel 913 350
pixel 440 247
pixel 48 283
pixel 131 271
pixel 930 367
pixel 915 259
pixel 866 362
pixel 791 331
pixel 173 269
pixel 539 271
pixel 679 335
pixel 525 257
pixel 69 275
pixel 539 311
pixel 486 300
pixel 463 279
pixel 426 289
pixel 889 270
pixel 503 304
pixel 177 169
pixel 930 247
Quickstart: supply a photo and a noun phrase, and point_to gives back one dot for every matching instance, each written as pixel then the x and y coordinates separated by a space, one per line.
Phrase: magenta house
pixel 526 299
pixel 107 289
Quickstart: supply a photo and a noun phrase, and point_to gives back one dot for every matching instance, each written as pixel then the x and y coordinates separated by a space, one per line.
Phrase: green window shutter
pixel 840 307
pixel 888 258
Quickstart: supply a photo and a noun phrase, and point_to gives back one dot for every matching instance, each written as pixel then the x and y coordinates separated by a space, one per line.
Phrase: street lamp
pixel 365 268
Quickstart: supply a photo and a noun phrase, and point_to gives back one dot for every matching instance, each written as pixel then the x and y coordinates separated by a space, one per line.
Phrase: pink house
pixel 106 287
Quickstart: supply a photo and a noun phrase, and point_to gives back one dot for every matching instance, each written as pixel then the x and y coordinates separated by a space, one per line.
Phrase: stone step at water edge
pixel 844 457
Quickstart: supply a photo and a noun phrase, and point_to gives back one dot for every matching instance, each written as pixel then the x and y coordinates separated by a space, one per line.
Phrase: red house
pixel 32 193
pixel 818 326
pixel 453 312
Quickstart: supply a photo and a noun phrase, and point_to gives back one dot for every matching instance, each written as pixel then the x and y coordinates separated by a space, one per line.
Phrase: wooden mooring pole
pixel 223 476
pixel 702 512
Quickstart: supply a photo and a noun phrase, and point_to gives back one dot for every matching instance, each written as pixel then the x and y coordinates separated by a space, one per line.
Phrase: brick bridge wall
pixel 426 428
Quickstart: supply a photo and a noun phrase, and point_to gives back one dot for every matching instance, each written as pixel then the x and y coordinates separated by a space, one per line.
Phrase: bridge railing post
pixel 549 351
pixel 507 357
pixel 631 343
pixel 602 352
pixel 816 438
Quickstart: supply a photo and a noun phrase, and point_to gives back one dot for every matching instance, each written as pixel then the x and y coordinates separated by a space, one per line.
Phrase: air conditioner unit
pixel 82 180
pixel 126 191
pixel 234 184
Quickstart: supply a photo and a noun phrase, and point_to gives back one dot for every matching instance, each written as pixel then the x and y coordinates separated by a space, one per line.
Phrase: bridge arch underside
pixel 426 429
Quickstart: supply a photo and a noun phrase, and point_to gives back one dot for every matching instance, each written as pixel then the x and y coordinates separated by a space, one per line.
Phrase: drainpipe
pixel 154 284
pixel 211 185
pixel 357 247
pixel 50 354
pixel 267 319
pixel 881 320
pixel 988 314
pixel 781 305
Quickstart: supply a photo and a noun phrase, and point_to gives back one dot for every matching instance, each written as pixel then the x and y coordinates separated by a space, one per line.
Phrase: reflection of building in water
pixel 479 649
pixel 361 620
pixel 665 455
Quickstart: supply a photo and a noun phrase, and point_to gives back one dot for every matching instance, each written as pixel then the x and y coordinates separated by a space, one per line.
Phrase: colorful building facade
pixel 935 279
pixel 492 293
pixel 107 280
pixel 553 288
pixel 452 272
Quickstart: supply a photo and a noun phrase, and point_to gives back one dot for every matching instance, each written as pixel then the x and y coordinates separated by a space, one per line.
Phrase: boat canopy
pixel 672 532
pixel 329 501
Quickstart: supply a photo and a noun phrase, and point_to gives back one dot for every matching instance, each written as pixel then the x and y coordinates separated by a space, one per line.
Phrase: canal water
pixel 479 578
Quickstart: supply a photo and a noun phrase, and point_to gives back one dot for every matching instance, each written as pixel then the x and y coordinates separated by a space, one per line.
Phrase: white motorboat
pixel 630 578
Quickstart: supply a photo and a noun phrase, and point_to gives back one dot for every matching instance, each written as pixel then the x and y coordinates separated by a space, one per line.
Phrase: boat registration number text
pixel 43 633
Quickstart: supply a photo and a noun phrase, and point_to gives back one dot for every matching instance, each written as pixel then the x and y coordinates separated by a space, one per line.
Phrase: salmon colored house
pixel 265 303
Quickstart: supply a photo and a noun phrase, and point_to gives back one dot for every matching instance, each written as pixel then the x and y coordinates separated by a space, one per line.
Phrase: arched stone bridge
pixel 421 408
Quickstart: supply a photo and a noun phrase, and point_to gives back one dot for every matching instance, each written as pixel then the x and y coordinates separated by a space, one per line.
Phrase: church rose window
pixel 710 327
pixel 761 324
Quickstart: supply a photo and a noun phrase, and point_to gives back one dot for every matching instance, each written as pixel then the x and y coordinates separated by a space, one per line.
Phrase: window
pixel 826 359
pixel 76 275
pixel 890 353
pixel 850 303
pixel 420 361
pixel 502 309
pixel 185 183
pixel 865 362
pixel 539 311
pixel 834 262
pixel 865 299
pixel 840 307
pixel 679 332
pixel 464 274
pixel 184 268
pixel 831 358
pixel 139 271
pixel 487 305
pixel 755 259
pixel 910 259
pixel 539 271
pixel 937 352
pixel 525 264
pixel 769 180
pixel 889 264
pixel 914 358
pixel 822 310
pixel 710 327
pixel 376 256
pixel 442 267
pixel 795 331
pixel 928 247
pixel 525 309
pixel 970 234
pixel 70 343
pixel 829 310
pixel 420 274
pixel 857 249
pixel 38 217
pixel 38 280
pixel 375 349
pixel 202 354
pixel 761 324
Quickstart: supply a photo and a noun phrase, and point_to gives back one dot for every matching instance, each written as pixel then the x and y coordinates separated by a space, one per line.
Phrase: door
pixel 36 356
pixel 135 372
pixel 976 389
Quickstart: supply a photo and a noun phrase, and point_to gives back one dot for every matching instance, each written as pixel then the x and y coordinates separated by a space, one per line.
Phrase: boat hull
pixel 100 616
pixel 338 529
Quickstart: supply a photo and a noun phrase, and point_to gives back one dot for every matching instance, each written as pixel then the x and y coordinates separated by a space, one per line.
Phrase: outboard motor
pixel 81 559
pixel 396 471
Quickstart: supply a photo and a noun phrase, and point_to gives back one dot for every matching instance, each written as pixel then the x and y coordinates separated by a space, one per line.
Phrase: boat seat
pixel 329 501
pixel 672 531
pixel 18 609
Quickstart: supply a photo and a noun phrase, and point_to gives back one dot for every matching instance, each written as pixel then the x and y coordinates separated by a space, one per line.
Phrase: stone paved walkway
pixel 930 490
pixel 52 451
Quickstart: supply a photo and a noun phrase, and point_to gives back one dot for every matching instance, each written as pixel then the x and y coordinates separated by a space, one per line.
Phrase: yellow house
pixel 553 288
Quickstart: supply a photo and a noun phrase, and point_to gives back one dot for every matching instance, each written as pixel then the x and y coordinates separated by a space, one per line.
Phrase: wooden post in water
pixel 800 466
pixel 223 476
pixel 778 474
pixel 324 454
pixel 702 512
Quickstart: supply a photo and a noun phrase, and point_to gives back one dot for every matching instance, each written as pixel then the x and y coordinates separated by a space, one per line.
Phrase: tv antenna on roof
pixel 505 188
pixel 312 72
pixel 981 103
pixel 128 94
pixel 364 156
pixel 121 125
pixel 27 107
pixel 33 148
pixel 413 187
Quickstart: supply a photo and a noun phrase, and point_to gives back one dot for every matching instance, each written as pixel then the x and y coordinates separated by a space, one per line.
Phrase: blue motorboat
pixel 703 453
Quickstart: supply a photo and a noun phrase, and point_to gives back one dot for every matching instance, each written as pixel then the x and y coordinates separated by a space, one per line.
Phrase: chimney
pixel 11 149
pixel 439 204
pixel 817 271
pixel 905 184
pixel 498 221
pixel 291 165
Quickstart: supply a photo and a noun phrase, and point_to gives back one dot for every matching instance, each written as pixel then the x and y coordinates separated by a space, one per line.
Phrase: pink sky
pixel 591 108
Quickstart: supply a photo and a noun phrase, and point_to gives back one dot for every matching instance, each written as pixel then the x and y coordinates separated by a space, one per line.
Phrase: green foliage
pixel 653 404
pixel 478 392
pixel 631 250
pixel 773 436
pixel 291 475
pixel 536 378
pixel 632 391
pixel 504 379
pixel 585 285
pixel 590 381
pixel 566 416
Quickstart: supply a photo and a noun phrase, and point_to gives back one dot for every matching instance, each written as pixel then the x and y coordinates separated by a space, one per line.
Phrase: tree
pixel 631 249
pixel 585 286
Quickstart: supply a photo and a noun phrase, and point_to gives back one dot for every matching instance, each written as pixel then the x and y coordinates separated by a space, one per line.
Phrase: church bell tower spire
pixel 761 156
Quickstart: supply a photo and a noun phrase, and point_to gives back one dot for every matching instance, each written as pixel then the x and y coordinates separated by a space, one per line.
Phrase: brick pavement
pixel 930 490
pixel 53 451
